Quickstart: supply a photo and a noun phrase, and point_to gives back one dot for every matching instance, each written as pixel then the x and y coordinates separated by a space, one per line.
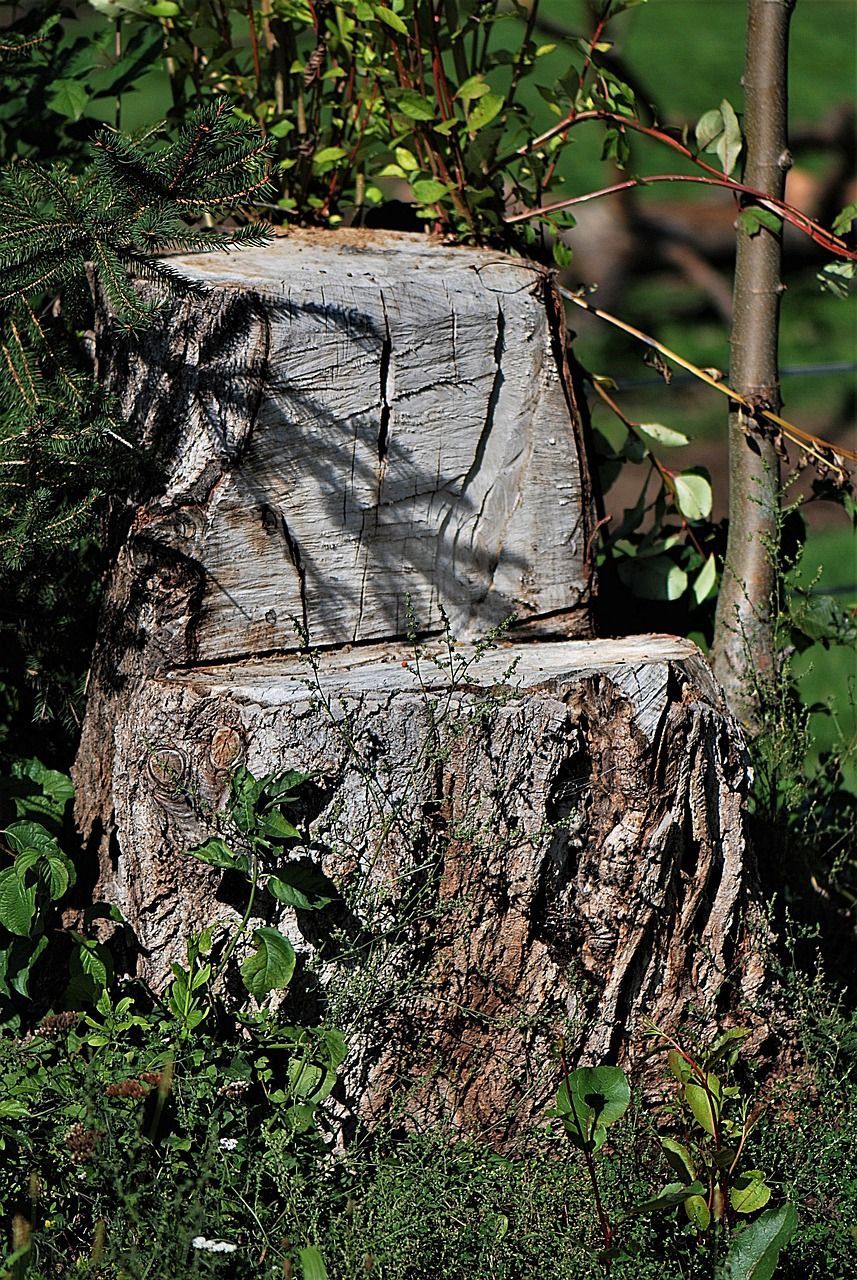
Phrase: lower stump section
pixel 543 840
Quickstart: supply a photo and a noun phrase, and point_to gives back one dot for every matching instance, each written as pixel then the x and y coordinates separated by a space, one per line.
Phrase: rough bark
pixel 554 851
pixel 743 652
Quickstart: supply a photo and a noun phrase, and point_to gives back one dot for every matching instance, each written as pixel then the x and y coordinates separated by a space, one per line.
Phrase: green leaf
pixel 13 1109
pixel 414 105
pixel 312 1264
pixel 218 854
pixel 674 1194
pixel 836 277
pixel 393 21
pixel 56 790
pixel 590 1099
pixel 303 886
pixel 708 127
pixel 67 98
pixel 475 87
pixel 664 435
pixel 274 826
pixel 679 1159
pixel 17 903
pixel 90 960
pixel 706 580
pixel 755 217
pixel 843 220
pixel 271 965
pixel 698 1212
pixel 679 1068
pixel 406 160
pixel 693 494
pixel 428 190
pixel 328 156
pixel 24 836
pixel 749 1192
pixel 730 143
pixel 487 107
pixel 59 876
pixel 754 1251
pixel 704 1107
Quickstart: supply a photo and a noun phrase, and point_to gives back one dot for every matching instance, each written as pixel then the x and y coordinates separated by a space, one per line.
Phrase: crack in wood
pixel 294 551
pixel 384 428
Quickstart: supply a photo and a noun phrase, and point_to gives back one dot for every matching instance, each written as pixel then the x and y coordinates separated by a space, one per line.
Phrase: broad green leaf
pixel 20 960
pixel 218 854
pixel 67 98
pixel 592 1098
pixel 678 1067
pixel 706 580
pixel 428 190
pixel 407 160
pixel 277 827
pixel 754 1250
pixel 679 1159
pixel 487 107
pixel 308 1080
pixel 749 1192
pixel 414 105
pixel 328 156
pixel 312 1264
pixel 57 789
pixel 693 494
pixel 296 887
pixel 703 1106
pixel 667 436
pixel 673 1194
pixel 17 903
pixel 90 959
pixel 698 1212
pixel 475 87
pixel 271 965
pixel 843 220
pixel 13 1109
pixel 392 20
pixel 32 835
pixel 709 127
pixel 58 877
pixel 755 217
pixel 730 143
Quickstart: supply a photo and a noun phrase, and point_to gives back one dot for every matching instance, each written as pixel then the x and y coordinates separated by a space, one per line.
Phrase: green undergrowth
pixel 132 1153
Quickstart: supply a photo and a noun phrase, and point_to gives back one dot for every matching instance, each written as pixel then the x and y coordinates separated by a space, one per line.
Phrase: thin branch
pixel 814 445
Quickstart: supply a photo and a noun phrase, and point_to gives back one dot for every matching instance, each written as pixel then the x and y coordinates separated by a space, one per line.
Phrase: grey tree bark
pixel 743 649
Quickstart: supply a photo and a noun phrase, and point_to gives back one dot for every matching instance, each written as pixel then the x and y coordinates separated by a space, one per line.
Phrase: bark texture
pixel 552 851
pixel 362 417
pixel 743 652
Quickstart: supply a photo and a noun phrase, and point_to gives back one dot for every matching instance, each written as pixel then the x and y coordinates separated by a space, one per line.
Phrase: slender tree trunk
pixel 743 646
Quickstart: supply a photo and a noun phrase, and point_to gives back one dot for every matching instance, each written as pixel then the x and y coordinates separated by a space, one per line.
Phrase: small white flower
pixel 213 1246
pixel 228 1144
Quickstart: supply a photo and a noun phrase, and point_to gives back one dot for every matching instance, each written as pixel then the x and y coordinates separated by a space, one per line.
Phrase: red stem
pixel 788 212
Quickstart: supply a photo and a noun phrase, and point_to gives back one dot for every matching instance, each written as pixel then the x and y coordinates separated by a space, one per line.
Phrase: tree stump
pixel 554 850
pixel 342 424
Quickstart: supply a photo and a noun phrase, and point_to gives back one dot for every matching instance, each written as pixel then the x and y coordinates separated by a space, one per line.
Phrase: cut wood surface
pixel 347 419
pixel 552 844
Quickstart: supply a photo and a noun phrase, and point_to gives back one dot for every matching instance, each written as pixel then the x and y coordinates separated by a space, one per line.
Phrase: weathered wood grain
pixel 554 849
pixel 348 419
